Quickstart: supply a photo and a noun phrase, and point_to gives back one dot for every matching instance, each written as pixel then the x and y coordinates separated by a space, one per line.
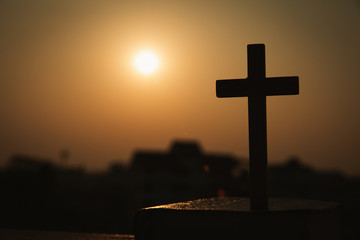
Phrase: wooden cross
pixel 256 87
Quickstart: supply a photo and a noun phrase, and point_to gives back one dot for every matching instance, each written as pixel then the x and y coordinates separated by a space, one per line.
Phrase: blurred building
pixel 184 172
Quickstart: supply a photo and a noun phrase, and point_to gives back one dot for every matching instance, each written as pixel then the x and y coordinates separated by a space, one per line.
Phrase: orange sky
pixel 67 79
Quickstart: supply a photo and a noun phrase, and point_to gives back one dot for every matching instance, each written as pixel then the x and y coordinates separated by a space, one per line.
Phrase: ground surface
pixel 6 234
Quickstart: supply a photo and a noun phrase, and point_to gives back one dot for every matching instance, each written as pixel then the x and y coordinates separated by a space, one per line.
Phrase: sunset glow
pixel 105 78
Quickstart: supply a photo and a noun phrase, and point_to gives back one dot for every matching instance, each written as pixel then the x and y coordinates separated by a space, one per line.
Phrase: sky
pixel 67 79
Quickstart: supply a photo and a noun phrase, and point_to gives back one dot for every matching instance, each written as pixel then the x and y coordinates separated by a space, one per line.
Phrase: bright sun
pixel 146 62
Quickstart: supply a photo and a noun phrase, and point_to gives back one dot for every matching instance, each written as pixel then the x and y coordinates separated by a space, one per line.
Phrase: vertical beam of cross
pixel 257 131
pixel 256 87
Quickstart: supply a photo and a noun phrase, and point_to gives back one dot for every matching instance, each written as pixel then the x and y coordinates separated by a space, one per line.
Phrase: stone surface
pixel 243 205
pixel 9 234
pixel 231 218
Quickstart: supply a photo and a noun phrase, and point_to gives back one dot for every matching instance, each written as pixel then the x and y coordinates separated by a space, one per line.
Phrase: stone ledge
pixel 10 234
pixel 231 218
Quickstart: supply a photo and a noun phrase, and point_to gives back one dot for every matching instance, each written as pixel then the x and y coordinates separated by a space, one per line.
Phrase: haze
pixel 67 78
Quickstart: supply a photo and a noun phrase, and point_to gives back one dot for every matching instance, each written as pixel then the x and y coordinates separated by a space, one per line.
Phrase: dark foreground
pixel 6 234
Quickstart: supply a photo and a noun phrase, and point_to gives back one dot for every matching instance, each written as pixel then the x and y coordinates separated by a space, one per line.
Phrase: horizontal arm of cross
pixel 267 87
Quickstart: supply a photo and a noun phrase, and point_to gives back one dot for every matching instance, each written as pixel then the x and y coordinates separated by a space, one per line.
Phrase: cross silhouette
pixel 256 87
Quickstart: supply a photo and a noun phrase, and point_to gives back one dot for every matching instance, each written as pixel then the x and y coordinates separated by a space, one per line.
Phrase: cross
pixel 256 87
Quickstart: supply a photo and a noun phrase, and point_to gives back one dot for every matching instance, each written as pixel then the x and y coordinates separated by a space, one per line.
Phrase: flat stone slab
pixel 231 218
pixel 243 205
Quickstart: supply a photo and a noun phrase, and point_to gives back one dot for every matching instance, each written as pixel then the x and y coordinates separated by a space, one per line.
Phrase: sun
pixel 146 62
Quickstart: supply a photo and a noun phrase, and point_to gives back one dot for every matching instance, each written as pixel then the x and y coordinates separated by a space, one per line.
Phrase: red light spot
pixel 221 192
pixel 206 168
